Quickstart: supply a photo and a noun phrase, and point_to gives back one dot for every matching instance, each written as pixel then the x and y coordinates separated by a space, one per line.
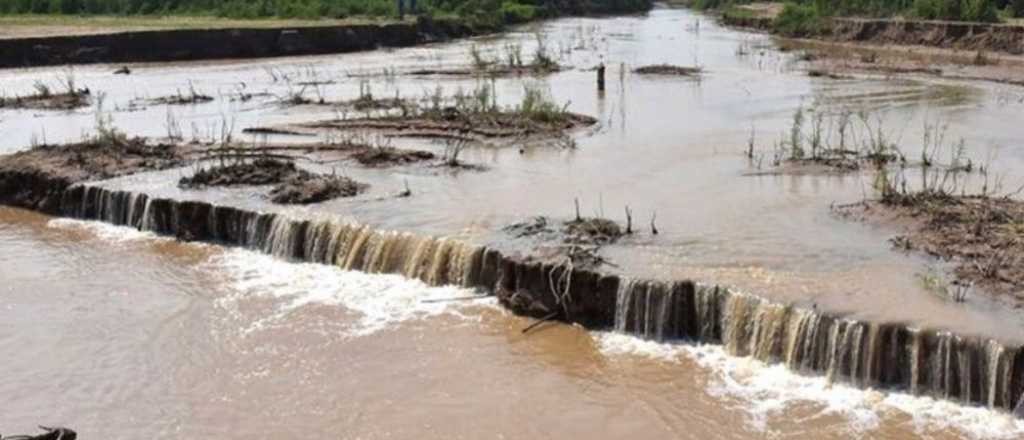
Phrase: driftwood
pixel 541 321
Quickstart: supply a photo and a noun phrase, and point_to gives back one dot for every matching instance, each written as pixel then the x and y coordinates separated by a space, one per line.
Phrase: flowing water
pixel 119 333
pixel 123 334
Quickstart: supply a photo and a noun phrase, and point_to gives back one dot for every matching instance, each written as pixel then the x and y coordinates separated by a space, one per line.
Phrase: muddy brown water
pixel 121 334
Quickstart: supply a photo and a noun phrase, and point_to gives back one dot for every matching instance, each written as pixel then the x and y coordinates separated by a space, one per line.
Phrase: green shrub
pixel 979 10
pixel 957 10
pixel 798 20
pixel 517 13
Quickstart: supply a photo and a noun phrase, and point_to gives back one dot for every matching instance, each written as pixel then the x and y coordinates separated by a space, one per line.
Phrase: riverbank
pixel 1005 38
pixel 264 40
pixel 46 40
pixel 41 26
pixel 992 52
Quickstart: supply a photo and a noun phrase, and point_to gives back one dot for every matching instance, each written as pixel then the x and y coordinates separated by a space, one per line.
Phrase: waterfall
pixel 944 365
pixel 924 362
pixel 435 261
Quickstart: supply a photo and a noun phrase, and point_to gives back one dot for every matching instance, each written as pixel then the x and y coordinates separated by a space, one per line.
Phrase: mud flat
pixel 34 179
pixel 980 235
pixel 207 44
pixel 292 185
pixel 458 125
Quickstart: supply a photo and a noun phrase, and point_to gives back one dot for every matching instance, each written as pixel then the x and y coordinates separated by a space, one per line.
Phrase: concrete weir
pixel 966 369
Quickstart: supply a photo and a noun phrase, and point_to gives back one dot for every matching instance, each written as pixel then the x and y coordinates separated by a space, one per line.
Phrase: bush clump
pixel 957 10
pixel 797 20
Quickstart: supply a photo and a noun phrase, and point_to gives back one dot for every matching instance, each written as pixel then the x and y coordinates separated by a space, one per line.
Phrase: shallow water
pixel 225 340
pixel 120 334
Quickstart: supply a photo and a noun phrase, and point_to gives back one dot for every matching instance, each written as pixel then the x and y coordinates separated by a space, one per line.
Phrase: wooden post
pixel 600 77
pixel 401 9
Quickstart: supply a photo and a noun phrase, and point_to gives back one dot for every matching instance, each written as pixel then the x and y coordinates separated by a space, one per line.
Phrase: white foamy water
pixel 763 391
pixel 104 231
pixel 379 301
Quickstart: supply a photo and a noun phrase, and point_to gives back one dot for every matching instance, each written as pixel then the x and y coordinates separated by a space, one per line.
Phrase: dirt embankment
pixel 1004 38
pixel 890 47
pixel 961 36
pixel 36 178
pixel 205 44
pixel 753 15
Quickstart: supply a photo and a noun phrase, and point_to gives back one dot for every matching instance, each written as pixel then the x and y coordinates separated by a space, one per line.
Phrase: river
pixel 120 334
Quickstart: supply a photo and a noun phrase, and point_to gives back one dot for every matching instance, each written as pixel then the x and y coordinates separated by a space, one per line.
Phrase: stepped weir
pixel 967 369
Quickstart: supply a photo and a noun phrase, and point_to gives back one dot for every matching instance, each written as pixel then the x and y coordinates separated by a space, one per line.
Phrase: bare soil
pixel 668 70
pixel 577 241
pixel 292 184
pixel 36 178
pixel 362 153
pixel 453 124
pixel 494 71
pixel 982 236
pixel 96 159
pixel 306 188
pixel 181 99
pixel 258 172
pixel 365 103
pixel 274 131
pixel 379 157
pixel 370 103
pixel 810 167
pixel 48 101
